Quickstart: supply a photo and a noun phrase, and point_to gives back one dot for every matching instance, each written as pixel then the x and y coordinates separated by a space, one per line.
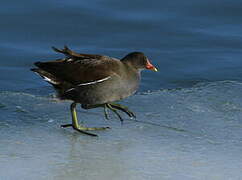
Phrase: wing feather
pixel 85 69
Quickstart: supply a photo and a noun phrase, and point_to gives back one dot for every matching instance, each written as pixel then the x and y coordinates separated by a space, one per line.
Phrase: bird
pixel 94 81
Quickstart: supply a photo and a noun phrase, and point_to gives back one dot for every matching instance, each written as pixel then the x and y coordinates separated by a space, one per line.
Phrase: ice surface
pixel 190 134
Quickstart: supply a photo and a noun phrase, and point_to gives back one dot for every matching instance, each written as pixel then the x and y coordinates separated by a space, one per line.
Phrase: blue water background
pixel 189 41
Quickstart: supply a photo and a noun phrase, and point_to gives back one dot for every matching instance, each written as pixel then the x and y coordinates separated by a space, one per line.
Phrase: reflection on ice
pixel 193 133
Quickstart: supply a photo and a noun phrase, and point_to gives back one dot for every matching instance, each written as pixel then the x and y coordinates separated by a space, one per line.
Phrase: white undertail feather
pixel 50 80
pixel 69 60
pixel 47 79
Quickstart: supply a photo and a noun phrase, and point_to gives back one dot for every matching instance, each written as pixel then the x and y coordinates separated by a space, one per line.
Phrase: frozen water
pixel 193 133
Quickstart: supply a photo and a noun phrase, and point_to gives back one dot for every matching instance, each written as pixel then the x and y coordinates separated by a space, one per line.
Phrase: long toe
pixel 84 132
pixel 83 128
pixel 124 109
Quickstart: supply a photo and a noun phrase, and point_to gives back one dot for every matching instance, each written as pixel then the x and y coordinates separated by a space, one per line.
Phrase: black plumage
pixel 94 80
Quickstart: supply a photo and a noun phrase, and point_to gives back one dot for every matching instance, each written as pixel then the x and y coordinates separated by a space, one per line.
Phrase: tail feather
pixel 67 52
pixel 59 85
pixel 38 64
pixel 46 76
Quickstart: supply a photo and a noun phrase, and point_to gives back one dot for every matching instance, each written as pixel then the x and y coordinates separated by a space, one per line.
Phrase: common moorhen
pixel 94 81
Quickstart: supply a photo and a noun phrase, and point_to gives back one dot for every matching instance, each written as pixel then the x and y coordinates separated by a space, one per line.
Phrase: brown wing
pixel 81 69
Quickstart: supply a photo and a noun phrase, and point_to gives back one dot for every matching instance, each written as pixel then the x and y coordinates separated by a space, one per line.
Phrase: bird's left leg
pixel 84 106
pixel 105 111
pixel 109 106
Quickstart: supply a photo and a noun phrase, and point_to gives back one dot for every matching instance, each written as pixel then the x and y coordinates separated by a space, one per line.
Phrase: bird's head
pixel 139 61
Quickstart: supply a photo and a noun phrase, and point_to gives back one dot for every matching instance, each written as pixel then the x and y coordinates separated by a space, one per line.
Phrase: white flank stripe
pixel 94 82
pixel 70 90
pixel 89 83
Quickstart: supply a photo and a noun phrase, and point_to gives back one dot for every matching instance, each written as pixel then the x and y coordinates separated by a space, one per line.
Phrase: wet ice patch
pixel 193 133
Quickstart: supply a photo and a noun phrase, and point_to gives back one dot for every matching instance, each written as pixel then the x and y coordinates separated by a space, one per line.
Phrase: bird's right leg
pixel 80 128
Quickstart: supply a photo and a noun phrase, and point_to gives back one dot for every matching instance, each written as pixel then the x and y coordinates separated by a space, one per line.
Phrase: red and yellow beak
pixel 150 66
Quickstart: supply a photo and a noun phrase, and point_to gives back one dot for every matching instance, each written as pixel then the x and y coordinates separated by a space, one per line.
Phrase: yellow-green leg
pixel 105 111
pixel 115 111
pixel 82 129
pixel 114 107
pixel 124 109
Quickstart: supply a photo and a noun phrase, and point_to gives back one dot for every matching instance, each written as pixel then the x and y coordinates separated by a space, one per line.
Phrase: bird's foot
pixel 109 106
pixel 124 109
pixel 83 129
